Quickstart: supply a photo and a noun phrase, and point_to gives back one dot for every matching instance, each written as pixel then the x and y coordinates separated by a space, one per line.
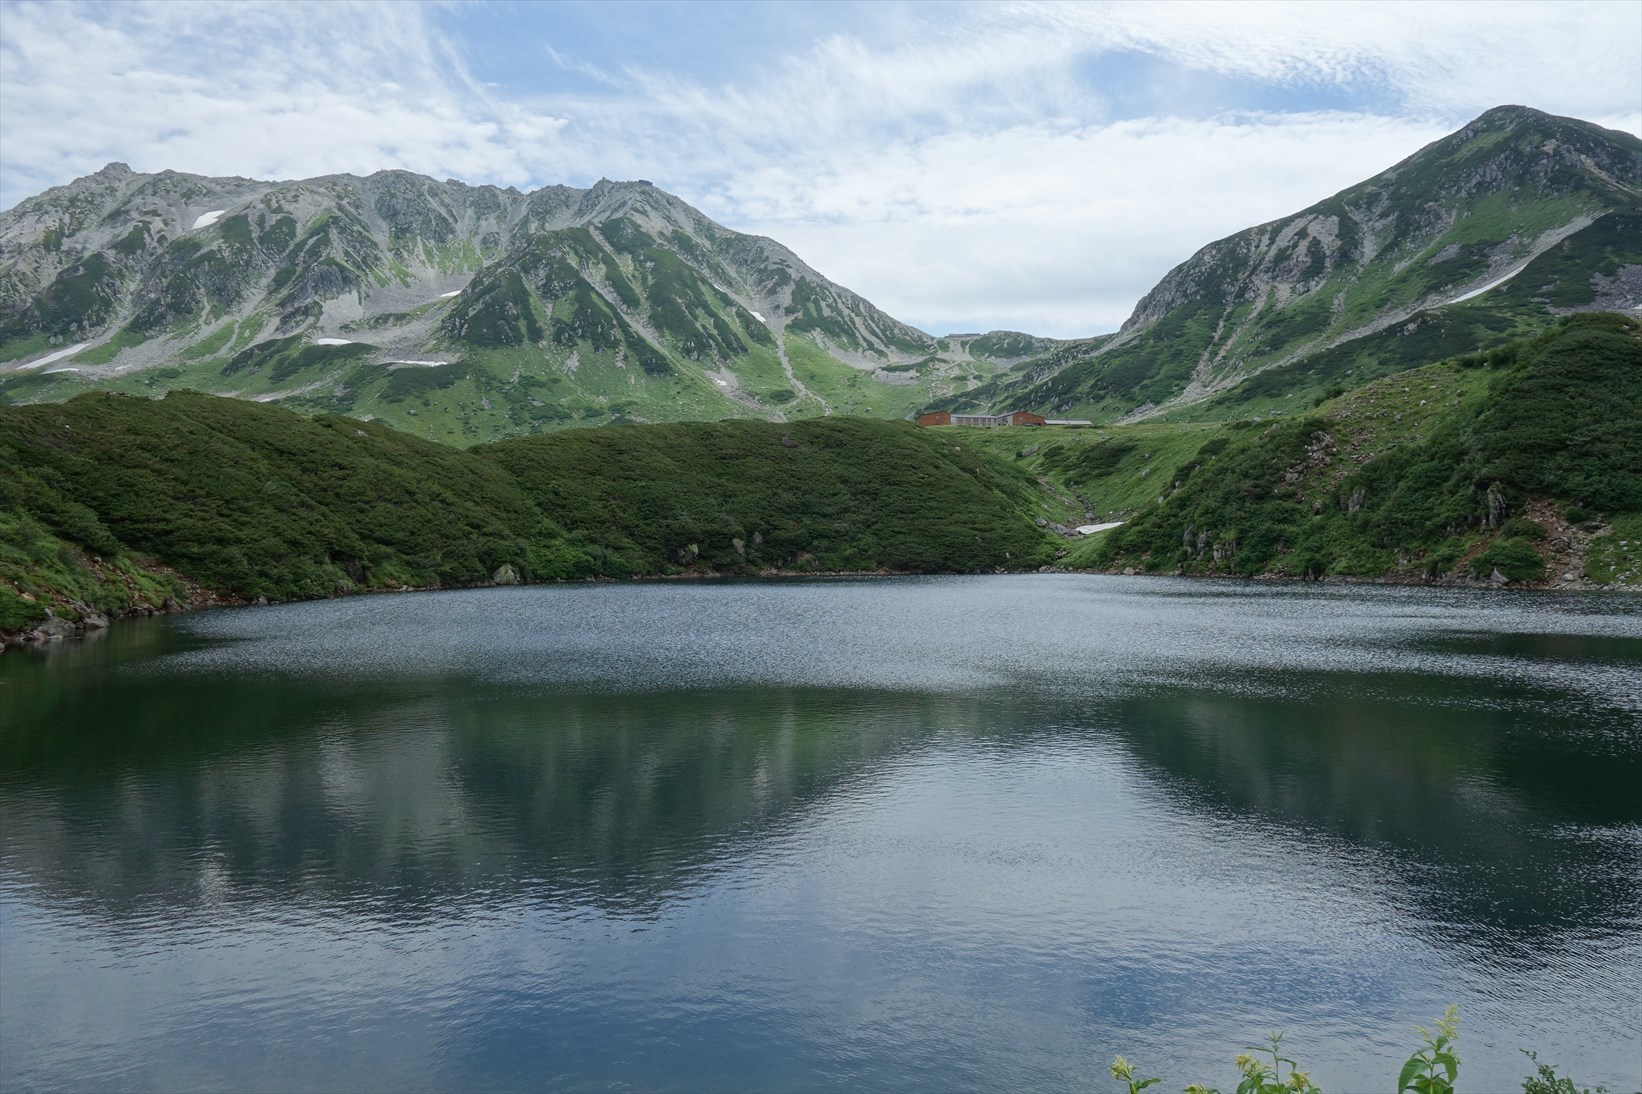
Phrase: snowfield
pixel 333 341
pixel 1091 529
pixel 58 356
pixel 1485 288
pixel 448 295
pixel 205 220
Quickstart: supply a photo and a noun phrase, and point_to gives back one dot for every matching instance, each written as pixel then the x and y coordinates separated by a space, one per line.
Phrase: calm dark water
pixel 903 833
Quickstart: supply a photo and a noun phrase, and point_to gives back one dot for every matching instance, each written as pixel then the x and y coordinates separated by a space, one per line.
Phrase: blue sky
pixel 964 166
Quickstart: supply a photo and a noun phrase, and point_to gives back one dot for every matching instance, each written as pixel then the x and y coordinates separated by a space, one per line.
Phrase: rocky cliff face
pixel 539 309
pixel 1517 215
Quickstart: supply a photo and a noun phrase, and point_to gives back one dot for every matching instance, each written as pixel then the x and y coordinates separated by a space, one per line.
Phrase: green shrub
pixel 1545 1080
pixel 1522 528
pixel 1364 560
pixel 1515 558
pixel 17 614
pixel 1442 559
pixel 1575 514
pixel 1333 391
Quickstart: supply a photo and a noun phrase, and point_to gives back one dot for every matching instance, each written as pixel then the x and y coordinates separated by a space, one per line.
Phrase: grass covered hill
pixel 826 493
pixel 112 503
pixel 1521 462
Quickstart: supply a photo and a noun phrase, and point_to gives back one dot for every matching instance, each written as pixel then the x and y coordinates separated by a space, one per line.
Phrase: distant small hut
pixel 1014 417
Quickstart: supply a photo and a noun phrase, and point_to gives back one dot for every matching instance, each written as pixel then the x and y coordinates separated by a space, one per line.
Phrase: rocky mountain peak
pixel 1518 210
pixel 348 294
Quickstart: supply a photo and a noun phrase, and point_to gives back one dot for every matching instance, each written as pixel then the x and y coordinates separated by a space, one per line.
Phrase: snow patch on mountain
pixel 58 356
pixel 205 220
pixel 1491 285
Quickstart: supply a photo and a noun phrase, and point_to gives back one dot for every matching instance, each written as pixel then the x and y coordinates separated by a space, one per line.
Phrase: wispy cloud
pixel 1045 229
pixel 1027 165
pixel 271 90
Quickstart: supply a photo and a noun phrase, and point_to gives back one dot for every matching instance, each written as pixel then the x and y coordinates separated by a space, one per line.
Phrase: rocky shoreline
pixel 1494 582
pixel 55 628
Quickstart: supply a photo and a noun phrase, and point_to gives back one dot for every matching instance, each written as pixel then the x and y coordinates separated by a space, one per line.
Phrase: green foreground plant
pixel 1432 1069
pixel 1124 1072
pixel 1262 1078
pixel 1545 1080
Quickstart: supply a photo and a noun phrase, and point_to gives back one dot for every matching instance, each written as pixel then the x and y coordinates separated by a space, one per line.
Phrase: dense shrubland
pixel 1419 474
pixel 108 503
pixel 1476 468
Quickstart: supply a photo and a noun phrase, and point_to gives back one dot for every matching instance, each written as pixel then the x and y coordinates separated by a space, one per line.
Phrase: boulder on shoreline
pixel 50 630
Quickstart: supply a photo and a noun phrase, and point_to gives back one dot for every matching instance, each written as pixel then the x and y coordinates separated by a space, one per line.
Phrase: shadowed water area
pixel 933 833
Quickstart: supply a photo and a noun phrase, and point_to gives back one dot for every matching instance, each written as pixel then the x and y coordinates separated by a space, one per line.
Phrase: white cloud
pixel 1047 230
pixel 269 90
pixel 1578 58
pixel 960 166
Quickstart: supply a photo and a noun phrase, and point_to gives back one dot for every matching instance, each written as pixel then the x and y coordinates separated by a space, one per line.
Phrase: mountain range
pixel 463 313
pixel 1415 380
pixel 470 313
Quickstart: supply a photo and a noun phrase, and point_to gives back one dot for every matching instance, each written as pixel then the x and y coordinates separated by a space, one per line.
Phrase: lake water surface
pixel 927 833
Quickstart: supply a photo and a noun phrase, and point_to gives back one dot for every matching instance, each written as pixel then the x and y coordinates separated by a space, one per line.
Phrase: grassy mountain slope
pixel 1520 460
pixel 110 503
pixel 252 500
pixel 459 313
pixel 828 493
pixel 1099 474
pixel 1332 294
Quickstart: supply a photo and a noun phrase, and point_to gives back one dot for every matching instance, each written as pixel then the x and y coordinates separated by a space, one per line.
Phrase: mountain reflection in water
pixel 920 832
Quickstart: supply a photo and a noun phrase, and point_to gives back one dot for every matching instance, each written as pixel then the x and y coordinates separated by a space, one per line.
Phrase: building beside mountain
pixel 1013 417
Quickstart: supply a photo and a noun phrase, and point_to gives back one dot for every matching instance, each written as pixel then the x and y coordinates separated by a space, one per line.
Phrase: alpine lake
pixel 898 833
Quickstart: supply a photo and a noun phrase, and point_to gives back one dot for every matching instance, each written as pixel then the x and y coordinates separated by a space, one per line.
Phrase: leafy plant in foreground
pixel 1123 1071
pixel 1432 1069
pixel 1545 1080
pixel 1262 1078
